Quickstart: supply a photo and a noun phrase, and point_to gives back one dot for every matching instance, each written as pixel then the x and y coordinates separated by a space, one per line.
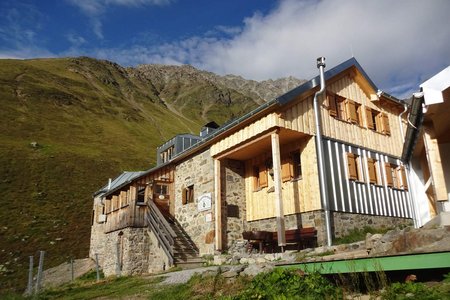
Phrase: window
pixel 396 176
pixel 167 154
pixel 336 105
pixel 140 197
pixel 354 167
pixel 187 195
pixel 372 168
pixel 161 189
pixel 260 179
pixel 377 121
pixel 291 167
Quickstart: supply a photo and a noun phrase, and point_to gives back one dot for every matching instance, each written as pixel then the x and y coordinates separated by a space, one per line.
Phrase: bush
pixel 290 284
pixel 411 290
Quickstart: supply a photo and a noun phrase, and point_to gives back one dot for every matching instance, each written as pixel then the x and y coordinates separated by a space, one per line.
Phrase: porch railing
pixel 162 230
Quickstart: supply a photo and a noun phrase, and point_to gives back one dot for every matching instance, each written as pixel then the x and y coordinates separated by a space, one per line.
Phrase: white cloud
pixel 398 43
pixel 95 9
pixel 75 40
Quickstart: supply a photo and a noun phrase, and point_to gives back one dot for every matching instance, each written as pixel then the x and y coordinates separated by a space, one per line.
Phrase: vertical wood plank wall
pixel 352 133
pixel 298 195
pixel 245 134
pixel 124 211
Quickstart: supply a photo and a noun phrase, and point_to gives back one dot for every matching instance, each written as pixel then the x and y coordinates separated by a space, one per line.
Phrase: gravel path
pixel 183 276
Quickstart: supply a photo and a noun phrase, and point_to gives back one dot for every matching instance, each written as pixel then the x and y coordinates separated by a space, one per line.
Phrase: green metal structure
pixel 373 264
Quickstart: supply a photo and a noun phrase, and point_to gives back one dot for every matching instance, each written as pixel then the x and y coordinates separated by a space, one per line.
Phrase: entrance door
pixel 161 197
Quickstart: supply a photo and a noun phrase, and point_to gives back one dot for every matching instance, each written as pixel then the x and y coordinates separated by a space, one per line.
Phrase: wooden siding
pixel 121 209
pixel 362 196
pixel 129 216
pixel 352 133
pixel 299 116
pixel 245 134
pixel 298 195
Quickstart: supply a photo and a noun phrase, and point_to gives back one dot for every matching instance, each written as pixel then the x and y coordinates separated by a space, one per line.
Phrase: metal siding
pixel 362 197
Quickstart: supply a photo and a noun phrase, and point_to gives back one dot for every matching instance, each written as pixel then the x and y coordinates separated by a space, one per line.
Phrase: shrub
pixel 290 284
pixel 410 290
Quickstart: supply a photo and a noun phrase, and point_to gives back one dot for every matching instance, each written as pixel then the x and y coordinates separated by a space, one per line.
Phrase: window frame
pixel 187 195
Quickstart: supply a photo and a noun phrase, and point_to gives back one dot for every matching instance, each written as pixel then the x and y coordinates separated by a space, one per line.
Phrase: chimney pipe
pixel 319 150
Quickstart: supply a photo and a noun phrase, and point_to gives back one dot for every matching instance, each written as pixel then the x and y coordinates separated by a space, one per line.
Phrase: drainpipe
pixel 319 151
pixel 400 121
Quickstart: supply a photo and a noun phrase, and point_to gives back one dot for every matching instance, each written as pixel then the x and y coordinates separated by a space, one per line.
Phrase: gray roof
pixel 119 181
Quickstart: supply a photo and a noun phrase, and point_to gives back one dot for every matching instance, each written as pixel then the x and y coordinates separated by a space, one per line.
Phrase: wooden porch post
pixel 276 160
pixel 434 163
pixel 218 205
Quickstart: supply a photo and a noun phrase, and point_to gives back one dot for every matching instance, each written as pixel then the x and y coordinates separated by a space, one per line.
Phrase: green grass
pixel 277 284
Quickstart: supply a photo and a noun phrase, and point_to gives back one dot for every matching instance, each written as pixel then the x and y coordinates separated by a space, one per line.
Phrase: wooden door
pixel 161 197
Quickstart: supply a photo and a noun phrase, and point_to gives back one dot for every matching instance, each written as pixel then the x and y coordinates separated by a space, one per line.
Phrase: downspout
pixel 400 121
pixel 319 151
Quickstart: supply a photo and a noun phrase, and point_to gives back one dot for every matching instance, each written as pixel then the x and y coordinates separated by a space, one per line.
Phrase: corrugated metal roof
pixel 120 180
pixel 289 96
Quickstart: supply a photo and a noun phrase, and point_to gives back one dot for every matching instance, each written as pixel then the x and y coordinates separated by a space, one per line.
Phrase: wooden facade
pixel 127 206
pixel 366 121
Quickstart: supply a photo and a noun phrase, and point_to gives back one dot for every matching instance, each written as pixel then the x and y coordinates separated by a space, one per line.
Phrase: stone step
pixel 190 263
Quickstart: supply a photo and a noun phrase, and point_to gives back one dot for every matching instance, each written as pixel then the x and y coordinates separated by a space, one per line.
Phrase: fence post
pixel 118 267
pixel 40 270
pixel 97 267
pixel 30 277
pixel 71 268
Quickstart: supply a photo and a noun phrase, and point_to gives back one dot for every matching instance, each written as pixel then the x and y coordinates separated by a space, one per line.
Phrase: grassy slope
pixel 91 121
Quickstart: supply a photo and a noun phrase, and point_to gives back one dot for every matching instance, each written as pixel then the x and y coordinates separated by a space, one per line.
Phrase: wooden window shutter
pixel 350 110
pixel 351 161
pixel 263 182
pixel 389 178
pixel 359 112
pixel 332 104
pixel 369 119
pixel 372 170
pixel 402 175
pixel 385 124
pixel 286 170
pixel 184 196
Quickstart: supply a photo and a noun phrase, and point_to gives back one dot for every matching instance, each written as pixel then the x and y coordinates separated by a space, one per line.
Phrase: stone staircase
pixel 185 252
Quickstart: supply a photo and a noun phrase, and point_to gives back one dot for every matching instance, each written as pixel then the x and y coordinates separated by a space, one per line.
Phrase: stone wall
pixel 199 172
pixel 341 223
pixel 344 222
pixel 138 251
pixel 233 197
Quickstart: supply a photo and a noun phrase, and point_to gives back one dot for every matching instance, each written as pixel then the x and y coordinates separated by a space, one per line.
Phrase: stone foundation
pixel 341 223
pixel 128 251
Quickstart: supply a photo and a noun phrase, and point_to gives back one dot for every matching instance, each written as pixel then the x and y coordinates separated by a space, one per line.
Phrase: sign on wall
pixel 204 202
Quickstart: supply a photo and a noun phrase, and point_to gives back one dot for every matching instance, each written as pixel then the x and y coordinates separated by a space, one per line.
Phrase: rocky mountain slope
pixel 69 124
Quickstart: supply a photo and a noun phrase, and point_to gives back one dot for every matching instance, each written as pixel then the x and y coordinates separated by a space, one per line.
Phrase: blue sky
pixel 399 43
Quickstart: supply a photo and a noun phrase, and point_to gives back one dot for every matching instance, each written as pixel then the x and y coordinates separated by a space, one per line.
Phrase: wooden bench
pixel 302 237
